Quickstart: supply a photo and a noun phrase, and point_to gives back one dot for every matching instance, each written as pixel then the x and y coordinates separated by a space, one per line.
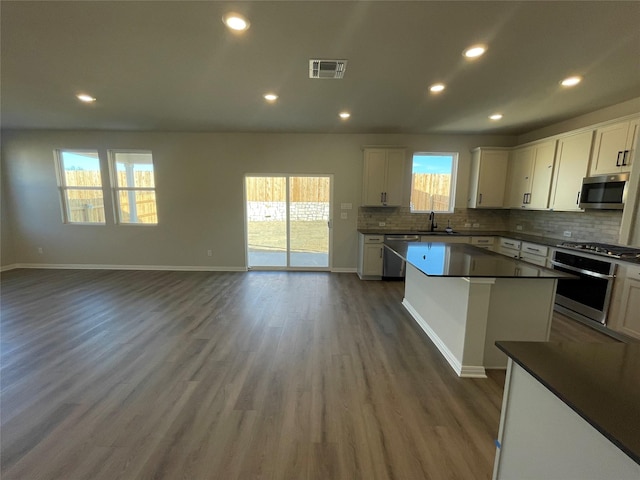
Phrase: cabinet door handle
pixel 381 197
pixel 578 199
pixel 625 157
pixel 618 159
pixel 480 199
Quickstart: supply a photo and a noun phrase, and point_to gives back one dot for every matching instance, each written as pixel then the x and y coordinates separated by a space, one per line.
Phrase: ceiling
pixel 174 66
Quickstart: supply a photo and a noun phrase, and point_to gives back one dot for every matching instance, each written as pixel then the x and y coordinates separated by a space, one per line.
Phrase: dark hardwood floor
pixel 262 375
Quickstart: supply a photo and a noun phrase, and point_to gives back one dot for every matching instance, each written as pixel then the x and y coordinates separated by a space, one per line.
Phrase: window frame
pixel 116 188
pixel 452 187
pixel 63 187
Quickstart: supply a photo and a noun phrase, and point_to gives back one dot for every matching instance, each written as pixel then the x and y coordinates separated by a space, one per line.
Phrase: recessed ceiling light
pixel 437 87
pixel 495 116
pixel 344 115
pixel 571 81
pixel 270 97
pixel 236 22
pixel 83 97
pixel 475 51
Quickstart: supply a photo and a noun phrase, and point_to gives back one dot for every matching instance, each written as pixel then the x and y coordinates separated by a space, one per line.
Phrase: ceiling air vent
pixel 327 68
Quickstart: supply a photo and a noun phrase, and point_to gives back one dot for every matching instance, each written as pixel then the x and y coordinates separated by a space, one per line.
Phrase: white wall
pixel 7 256
pixel 199 181
pixel 619 110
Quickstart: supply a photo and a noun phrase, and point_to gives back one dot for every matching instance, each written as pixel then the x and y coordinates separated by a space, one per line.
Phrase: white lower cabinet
pixel 624 316
pixel 509 247
pixel 527 251
pixel 483 242
pixel 370 254
pixel 534 253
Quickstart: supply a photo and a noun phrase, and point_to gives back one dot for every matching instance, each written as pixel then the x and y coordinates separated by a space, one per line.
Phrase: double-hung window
pixel 80 183
pixel 134 186
pixel 433 179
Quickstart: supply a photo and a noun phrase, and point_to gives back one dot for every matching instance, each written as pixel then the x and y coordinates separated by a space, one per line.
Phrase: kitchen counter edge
pixel 579 374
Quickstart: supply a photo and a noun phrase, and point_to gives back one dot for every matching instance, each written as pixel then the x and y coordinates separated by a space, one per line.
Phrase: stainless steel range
pixel 613 251
pixel 588 297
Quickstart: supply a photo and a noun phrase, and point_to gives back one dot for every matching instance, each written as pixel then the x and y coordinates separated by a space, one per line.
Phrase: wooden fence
pixel 87 206
pixel 274 189
pixel 430 191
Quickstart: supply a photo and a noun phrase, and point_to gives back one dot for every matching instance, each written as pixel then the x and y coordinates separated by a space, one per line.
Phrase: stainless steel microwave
pixel 604 192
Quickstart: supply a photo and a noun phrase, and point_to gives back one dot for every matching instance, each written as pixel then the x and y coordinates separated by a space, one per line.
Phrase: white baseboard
pixel 472 371
pixel 88 266
pixel 343 270
pixel 12 266
pixel 178 268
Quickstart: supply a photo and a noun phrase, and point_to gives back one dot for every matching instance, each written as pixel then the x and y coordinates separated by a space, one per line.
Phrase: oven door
pixel 589 296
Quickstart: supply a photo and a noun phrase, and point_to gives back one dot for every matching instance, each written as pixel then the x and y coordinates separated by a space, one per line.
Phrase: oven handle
pixel 580 270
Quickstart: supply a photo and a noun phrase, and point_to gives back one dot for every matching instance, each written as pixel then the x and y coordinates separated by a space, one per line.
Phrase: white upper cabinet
pixel 572 163
pixel 530 174
pixel 519 181
pixel 383 177
pixel 488 178
pixel 614 148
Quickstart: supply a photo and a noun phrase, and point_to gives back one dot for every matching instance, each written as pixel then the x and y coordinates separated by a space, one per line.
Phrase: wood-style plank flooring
pixel 261 375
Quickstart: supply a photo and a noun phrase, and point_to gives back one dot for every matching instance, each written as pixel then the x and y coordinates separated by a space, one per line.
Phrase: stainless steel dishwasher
pixel 393 267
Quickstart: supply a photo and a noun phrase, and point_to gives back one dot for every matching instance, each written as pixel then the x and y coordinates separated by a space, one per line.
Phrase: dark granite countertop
pixel 540 240
pixel 600 382
pixel 549 241
pixel 462 260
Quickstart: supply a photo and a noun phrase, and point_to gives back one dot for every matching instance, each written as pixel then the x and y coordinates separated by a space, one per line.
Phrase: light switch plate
pixel 567 234
pixel 381 224
pixel 344 215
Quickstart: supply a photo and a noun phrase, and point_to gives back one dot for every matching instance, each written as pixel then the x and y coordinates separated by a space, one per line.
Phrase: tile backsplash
pixel 591 226
pixel 601 226
pixel 401 218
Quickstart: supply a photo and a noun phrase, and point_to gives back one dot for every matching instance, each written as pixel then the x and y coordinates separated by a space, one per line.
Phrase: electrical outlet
pixel 40 251
pixel 567 234
pixel 519 228
pixel 381 224
pixel 467 225
pixel 344 215
pixel 209 253
pixel 476 225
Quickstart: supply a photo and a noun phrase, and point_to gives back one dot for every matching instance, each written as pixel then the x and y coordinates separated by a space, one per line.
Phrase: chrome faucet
pixel 432 222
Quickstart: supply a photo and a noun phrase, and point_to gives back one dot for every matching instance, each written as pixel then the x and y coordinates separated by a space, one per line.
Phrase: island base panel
pixel 541 437
pixel 464 317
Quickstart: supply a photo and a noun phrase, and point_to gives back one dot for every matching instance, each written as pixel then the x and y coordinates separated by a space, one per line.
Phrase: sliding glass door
pixel 288 221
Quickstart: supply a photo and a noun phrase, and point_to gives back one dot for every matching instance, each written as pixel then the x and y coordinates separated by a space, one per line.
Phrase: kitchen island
pixel 570 410
pixel 466 298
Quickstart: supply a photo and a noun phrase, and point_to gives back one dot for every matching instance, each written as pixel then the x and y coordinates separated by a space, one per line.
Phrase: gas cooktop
pixel 614 251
